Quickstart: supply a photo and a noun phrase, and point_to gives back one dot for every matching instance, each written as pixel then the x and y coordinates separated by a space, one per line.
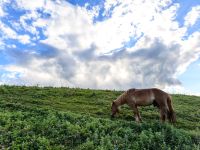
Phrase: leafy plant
pixel 80 120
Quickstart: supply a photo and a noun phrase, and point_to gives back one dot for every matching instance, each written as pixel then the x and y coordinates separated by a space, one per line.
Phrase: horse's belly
pixel 145 101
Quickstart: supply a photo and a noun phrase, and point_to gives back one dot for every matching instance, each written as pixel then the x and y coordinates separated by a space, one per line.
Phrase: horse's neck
pixel 120 101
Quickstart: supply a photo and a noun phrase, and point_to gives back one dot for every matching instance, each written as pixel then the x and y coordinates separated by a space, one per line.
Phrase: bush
pixel 24 126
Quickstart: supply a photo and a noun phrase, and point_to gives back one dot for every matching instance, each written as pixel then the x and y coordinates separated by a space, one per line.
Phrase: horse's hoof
pixel 112 117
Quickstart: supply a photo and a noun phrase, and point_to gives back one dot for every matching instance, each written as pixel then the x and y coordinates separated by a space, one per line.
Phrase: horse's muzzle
pixel 112 116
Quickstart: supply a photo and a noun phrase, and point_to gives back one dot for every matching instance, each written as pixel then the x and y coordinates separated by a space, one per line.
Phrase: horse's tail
pixel 171 113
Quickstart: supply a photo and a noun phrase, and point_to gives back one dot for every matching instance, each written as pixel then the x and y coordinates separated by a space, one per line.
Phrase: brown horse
pixel 145 97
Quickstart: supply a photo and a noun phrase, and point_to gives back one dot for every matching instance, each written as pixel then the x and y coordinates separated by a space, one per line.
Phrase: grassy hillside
pixel 64 118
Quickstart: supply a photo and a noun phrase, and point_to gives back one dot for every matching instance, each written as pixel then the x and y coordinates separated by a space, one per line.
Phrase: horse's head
pixel 114 109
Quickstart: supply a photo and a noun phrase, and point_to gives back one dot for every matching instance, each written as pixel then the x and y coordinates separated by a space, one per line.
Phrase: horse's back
pixel 158 93
pixel 148 91
pixel 153 96
pixel 142 97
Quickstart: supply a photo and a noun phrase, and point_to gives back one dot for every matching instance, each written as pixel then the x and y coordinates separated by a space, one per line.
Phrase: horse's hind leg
pixel 163 114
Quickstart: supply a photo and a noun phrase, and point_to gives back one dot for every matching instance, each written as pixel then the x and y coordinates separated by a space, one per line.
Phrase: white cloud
pixel 24 39
pixel 73 52
pixel 34 76
pixel 190 51
pixel 30 5
pixel 74 27
pixel 2 12
pixel 40 23
pixel 180 90
pixel 192 16
pixel 29 16
pixel 9 33
pixel 129 20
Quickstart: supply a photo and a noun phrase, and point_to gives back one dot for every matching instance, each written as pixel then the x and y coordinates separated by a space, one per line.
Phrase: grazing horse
pixel 145 97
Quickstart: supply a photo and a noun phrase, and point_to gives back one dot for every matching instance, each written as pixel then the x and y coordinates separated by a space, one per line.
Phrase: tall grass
pixel 64 118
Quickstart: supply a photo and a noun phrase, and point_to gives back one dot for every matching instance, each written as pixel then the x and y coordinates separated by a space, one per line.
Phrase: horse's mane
pixel 121 99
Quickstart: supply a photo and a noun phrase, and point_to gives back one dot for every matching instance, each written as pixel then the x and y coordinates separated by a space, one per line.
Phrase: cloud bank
pixel 113 45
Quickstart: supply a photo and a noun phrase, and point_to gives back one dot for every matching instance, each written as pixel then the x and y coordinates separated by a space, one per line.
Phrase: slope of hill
pixel 65 118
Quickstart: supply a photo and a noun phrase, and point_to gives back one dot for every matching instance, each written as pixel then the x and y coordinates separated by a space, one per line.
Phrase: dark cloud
pixel 147 67
pixel 46 51
pixel 65 64
pixel 155 65
pixel 87 54
pixel 25 55
pixel 81 65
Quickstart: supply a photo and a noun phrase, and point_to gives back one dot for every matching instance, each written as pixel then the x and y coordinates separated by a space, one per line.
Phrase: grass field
pixel 66 118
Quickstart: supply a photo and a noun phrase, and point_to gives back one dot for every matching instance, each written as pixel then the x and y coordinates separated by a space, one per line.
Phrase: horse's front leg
pixel 137 116
pixel 136 113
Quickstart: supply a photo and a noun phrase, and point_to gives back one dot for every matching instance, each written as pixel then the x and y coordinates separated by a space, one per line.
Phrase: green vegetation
pixel 65 118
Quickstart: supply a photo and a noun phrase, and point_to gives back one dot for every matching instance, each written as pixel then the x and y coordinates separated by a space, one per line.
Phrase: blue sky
pixel 101 44
pixel 191 77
